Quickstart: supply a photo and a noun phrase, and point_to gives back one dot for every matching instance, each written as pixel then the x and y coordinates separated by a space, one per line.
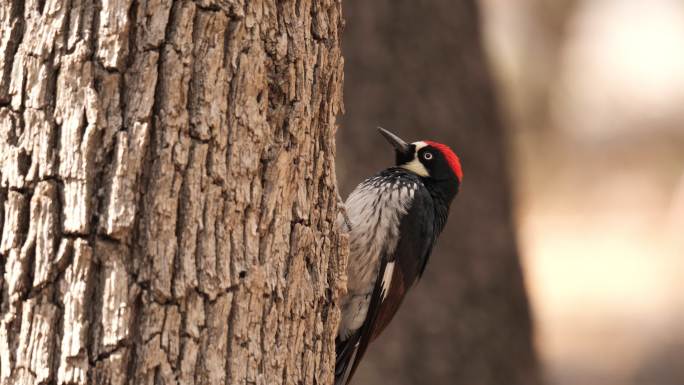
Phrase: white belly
pixel 374 213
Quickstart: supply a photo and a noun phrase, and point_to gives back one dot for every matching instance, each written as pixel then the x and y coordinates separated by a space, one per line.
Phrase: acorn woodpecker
pixel 393 220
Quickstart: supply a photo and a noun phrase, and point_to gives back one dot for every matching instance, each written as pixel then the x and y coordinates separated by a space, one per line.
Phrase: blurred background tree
pixel 419 69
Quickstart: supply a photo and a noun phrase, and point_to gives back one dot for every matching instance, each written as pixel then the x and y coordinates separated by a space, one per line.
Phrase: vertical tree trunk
pixel 418 68
pixel 167 191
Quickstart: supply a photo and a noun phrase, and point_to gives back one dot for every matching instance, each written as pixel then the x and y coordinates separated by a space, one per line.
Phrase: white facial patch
pixel 387 279
pixel 415 166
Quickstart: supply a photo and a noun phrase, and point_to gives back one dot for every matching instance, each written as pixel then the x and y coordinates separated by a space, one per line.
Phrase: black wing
pixel 407 263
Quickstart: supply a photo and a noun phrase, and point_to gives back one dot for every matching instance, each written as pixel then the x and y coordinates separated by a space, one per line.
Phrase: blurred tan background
pixel 580 106
pixel 594 94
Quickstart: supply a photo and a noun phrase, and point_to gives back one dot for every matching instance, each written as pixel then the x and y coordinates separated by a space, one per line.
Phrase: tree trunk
pixel 168 192
pixel 417 68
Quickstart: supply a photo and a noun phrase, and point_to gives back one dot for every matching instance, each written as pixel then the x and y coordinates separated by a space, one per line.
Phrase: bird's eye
pixel 427 156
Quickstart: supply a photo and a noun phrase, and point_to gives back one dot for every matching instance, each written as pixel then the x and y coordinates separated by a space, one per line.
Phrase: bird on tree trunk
pixel 393 220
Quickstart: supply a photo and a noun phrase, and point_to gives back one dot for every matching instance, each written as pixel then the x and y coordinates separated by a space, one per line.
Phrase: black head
pixel 434 162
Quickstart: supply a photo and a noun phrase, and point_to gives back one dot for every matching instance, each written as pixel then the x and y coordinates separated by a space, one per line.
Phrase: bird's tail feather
pixel 346 355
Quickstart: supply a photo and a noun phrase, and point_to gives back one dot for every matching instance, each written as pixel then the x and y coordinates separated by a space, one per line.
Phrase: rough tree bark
pixel 167 191
pixel 418 68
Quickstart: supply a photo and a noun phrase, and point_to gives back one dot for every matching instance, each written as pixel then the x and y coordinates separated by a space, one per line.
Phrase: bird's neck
pixel 442 195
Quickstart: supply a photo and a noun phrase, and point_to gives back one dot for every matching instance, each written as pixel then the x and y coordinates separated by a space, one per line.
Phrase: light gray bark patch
pixel 44 232
pixel 36 342
pixel 117 295
pixel 76 113
pixel 11 30
pixel 77 291
pixel 112 36
pixel 16 221
pixel 121 207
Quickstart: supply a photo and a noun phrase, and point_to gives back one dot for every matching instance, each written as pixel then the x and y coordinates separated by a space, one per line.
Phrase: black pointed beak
pixel 402 147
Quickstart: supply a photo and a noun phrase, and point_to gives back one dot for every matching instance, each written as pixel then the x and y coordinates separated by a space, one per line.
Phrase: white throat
pixel 414 165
